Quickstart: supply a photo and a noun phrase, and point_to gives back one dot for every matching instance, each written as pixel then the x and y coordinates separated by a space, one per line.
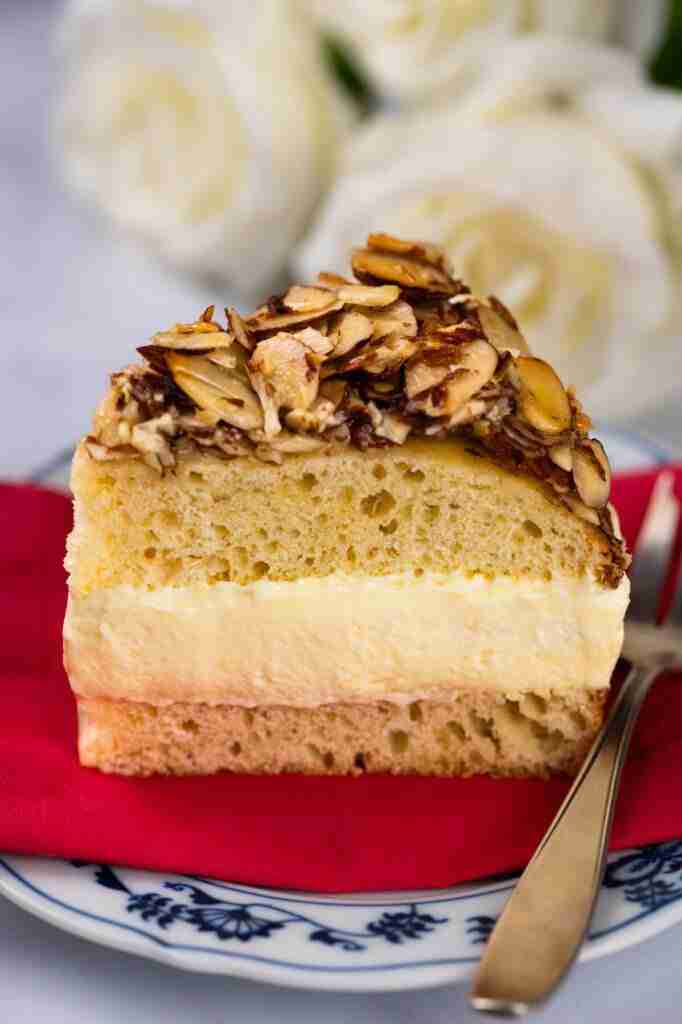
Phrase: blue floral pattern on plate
pixel 373 942
pixel 227 919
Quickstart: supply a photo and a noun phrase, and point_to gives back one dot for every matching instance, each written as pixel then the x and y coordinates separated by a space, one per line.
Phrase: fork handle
pixel 544 922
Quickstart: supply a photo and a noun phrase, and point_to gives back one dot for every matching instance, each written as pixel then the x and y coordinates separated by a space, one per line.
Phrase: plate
pixel 357 943
pixel 381 942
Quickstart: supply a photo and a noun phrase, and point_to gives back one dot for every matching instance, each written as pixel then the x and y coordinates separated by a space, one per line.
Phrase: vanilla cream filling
pixel 343 638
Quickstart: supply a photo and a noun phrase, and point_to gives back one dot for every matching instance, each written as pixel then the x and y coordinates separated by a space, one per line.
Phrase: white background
pixel 73 303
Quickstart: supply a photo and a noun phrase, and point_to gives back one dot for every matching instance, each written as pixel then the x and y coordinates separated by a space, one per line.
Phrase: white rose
pixel 412 49
pixel 539 200
pixel 641 25
pixel 209 128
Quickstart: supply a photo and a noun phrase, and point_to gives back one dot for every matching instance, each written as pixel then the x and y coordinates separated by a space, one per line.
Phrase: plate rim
pixel 403 976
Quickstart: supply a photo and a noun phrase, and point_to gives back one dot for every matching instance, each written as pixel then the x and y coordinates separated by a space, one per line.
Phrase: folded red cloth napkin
pixel 317 833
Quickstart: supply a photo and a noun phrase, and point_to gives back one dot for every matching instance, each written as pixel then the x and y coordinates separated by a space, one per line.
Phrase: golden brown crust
pixel 535 734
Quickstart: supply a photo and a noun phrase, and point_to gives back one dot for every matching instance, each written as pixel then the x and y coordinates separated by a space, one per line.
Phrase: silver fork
pixel 544 922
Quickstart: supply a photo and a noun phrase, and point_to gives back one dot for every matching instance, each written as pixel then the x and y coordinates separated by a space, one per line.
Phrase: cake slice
pixel 360 530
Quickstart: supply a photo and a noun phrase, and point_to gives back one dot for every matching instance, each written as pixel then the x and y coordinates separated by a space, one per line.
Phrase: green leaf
pixel 348 73
pixel 665 67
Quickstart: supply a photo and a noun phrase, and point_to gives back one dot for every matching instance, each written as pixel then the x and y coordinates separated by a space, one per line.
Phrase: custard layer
pixel 341 638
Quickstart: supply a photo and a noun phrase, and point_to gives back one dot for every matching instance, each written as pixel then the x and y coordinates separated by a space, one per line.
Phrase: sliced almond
pixel 590 515
pixel 499 332
pixel 592 473
pixel 218 391
pixel 314 340
pixel 397 318
pixel 402 270
pixel 612 521
pixel 198 326
pixel 194 341
pixel 329 280
pixel 307 299
pixel 432 254
pixel 265 392
pixel 542 400
pixel 469 412
pixel 238 328
pixel 151 439
pixel 562 456
pixel 225 357
pixel 264 320
pixel 421 375
pixel 475 365
pixel 289 369
pixel 314 420
pixel 348 331
pixel 383 356
pixel 389 425
pixel 366 295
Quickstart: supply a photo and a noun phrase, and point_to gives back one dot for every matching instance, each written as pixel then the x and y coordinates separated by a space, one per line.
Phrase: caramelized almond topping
pixel 404 350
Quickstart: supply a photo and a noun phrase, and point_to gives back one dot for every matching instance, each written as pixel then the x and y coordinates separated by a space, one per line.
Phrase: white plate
pixel 381 942
pixel 378 942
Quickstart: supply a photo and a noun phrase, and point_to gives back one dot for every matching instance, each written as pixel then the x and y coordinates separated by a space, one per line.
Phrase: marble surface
pixel 69 294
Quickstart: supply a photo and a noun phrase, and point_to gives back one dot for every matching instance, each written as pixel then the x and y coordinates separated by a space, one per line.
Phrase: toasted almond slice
pixel 329 280
pixel 151 438
pixel 218 391
pixel 613 521
pixel 499 332
pixel 316 419
pixel 389 425
pixel 196 341
pixel 197 327
pixel 499 307
pixel 350 329
pixel 592 473
pixel 207 316
pixel 542 400
pixel 238 328
pixel 271 423
pixel 402 270
pixel 289 369
pixel 226 358
pixel 381 357
pixel 583 511
pixel 420 375
pixel 396 318
pixel 365 295
pixel 314 340
pixel 307 299
pixel 562 456
pixel 432 254
pixel 264 320
pixel 467 413
pixel 476 362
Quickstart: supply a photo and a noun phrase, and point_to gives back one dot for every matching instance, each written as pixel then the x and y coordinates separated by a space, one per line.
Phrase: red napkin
pixel 316 833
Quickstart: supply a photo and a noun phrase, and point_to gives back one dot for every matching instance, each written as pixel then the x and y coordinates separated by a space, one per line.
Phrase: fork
pixel 544 922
